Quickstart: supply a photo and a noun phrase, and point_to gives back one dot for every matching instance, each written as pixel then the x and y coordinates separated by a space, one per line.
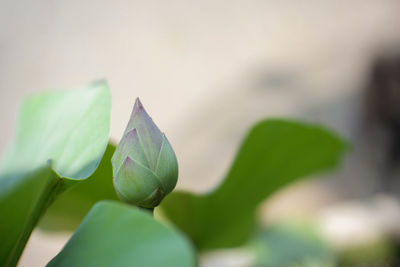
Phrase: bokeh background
pixel 206 71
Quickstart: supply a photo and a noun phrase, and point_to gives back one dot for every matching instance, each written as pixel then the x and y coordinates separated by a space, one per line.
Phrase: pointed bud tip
pixel 127 161
pixel 138 104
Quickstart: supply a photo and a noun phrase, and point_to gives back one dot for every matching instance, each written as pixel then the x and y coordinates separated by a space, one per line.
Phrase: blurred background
pixel 208 70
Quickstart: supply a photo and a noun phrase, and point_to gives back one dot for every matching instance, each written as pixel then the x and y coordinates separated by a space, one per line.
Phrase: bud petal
pixel 129 146
pixel 167 166
pixel 136 183
pixel 145 168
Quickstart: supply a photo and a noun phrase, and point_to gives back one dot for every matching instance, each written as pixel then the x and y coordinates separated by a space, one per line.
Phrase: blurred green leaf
pixel 291 244
pixel 382 251
pixel 68 210
pixel 21 204
pixel 275 153
pixel 60 134
pixel 115 234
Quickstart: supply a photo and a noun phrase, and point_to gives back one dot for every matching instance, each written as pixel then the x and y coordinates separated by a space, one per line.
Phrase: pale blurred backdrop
pixel 204 70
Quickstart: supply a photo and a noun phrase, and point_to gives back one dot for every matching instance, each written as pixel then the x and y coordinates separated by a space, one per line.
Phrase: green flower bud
pixel 145 168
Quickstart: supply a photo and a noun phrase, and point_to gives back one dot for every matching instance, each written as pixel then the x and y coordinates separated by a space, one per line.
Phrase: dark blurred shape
pixel 383 116
pixel 274 78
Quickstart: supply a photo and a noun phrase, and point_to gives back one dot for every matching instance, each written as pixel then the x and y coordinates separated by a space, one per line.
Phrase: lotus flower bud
pixel 145 168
